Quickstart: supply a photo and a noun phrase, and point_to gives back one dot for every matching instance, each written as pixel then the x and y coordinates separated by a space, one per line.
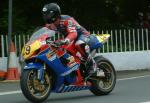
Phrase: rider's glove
pixel 62 42
pixel 48 40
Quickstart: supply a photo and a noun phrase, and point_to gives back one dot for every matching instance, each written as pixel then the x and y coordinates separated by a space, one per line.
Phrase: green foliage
pixel 92 14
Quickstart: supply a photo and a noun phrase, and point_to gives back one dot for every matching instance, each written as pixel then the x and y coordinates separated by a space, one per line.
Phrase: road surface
pixel 131 87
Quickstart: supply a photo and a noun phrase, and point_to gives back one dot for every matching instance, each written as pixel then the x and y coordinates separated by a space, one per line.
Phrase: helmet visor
pixel 48 17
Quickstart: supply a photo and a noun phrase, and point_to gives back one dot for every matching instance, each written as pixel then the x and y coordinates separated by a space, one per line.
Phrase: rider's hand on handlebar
pixel 48 40
pixel 60 42
pixel 57 43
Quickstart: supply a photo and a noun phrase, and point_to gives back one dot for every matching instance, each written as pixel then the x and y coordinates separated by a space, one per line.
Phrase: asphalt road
pixel 131 87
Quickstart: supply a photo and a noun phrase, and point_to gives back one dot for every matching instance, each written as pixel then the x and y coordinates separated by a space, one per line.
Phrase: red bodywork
pixel 72 50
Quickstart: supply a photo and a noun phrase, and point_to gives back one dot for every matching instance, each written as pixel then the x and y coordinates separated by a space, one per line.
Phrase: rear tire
pixel 32 89
pixel 104 85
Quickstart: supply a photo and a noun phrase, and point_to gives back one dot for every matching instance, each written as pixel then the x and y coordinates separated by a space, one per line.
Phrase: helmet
pixel 51 12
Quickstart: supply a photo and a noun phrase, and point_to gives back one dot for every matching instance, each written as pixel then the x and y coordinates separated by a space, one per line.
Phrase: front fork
pixel 38 68
pixel 40 73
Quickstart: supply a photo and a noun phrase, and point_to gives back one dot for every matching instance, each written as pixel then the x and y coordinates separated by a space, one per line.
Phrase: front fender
pixel 33 66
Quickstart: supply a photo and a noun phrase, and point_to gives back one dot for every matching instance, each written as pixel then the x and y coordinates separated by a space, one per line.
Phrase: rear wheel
pixel 33 89
pixel 104 84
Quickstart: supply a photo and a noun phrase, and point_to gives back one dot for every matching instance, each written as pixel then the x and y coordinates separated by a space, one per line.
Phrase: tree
pixel 92 14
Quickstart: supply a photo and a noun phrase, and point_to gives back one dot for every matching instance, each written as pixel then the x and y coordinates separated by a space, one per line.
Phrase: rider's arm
pixel 51 26
pixel 71 29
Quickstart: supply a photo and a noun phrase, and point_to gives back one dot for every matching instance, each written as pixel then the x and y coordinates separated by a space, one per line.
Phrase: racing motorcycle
pixel 47 68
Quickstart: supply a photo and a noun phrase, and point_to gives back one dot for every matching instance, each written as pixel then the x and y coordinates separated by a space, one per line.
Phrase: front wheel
pixel 33 89
pixel 103 85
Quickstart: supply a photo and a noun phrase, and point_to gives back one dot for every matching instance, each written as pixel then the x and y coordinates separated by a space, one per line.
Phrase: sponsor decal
pixel 51 56
pixel 75 67
pixel 70 24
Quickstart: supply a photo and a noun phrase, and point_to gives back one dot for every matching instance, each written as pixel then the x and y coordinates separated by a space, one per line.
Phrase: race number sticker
pixel 27 50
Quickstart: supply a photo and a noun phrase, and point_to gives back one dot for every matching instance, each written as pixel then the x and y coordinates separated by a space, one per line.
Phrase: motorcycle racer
pixel 71 29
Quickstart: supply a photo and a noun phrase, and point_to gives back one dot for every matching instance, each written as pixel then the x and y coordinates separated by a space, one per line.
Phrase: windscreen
pixel 41 32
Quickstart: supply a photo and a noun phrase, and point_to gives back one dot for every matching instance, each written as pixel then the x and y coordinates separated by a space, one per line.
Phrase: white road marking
pixel 133 77
pixel 146 102
pixel 11 92
pixel 19 91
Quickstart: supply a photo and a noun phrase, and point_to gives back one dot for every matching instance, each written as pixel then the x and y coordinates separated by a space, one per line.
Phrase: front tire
pixel 32 88
pixel 103 86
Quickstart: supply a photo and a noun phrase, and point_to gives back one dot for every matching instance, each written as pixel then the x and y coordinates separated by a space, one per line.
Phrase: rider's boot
pixel 91 67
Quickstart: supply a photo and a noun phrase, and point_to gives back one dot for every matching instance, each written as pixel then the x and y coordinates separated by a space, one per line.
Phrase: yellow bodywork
pixel 29 49
pixel 102 37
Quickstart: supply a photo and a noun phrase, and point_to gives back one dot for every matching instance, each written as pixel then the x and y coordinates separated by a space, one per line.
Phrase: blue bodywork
pixel 64 75
pixel 62 72
pixel 92 41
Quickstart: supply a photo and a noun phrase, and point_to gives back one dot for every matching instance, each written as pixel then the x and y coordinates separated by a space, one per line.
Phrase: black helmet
pixel 51 12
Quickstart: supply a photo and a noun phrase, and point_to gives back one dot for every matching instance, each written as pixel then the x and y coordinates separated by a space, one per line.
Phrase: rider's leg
pixel 84 50
pixel 80 46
